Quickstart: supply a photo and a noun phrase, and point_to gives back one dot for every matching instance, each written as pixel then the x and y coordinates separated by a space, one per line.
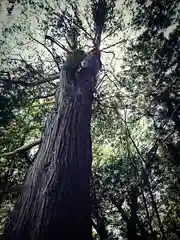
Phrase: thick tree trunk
pixel 55 203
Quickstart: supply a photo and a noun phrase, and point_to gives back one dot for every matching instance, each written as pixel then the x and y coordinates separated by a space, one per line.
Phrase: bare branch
pixel 114 44
pixel 47 50
pixel 113 31
pixel 57 43
pixel 46 96
pixel 52 77
pixel 81 27
pixel 48 79
pixel 22 148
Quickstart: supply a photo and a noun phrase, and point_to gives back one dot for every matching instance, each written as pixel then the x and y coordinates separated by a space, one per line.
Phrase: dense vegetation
pixel 135 123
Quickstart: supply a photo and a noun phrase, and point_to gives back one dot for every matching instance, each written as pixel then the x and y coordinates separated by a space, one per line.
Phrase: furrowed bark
pixel 56 203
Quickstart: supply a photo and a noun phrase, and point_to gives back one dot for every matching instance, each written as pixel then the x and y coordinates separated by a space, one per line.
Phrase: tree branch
pixel 52 77
pixel 57 43
pixel 47 50
pixel 114 44
pixel 45 96
pixel 81 27
pixel 22 148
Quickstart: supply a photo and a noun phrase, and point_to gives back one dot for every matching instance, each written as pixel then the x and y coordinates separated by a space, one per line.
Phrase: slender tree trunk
pixel 131 224
pixel 147 212
pixel 154 205
pixel 55 203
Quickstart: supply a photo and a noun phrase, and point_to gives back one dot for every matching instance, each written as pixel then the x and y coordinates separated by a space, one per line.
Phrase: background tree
pixel 63 161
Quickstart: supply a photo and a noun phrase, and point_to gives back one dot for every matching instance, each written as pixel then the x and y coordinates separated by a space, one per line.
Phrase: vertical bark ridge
pixel 55 202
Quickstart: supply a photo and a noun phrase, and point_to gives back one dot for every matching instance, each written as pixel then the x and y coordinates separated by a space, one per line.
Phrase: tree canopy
pixel 135 123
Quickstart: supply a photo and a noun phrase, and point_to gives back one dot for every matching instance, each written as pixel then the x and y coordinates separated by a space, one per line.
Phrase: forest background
pixel 135 124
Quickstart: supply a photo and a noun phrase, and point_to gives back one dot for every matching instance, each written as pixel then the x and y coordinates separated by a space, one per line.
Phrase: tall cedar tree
pixel 55 202
pixel 56 195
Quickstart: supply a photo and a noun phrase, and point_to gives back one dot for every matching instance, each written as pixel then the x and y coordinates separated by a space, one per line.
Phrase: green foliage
pixel 135 123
